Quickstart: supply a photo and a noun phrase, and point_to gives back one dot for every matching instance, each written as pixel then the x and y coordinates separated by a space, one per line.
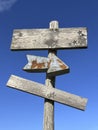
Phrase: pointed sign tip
pixel 57 67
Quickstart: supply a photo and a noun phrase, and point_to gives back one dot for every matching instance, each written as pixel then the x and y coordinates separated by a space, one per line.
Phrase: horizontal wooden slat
pixel 63 38
pixel 45 92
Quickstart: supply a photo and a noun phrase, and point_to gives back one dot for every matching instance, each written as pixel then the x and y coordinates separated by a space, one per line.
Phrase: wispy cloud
pixel 6 4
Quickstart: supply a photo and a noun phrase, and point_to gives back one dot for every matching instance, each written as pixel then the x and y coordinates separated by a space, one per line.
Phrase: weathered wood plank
pixel 53 66
pixel 63 38
pixel 48 93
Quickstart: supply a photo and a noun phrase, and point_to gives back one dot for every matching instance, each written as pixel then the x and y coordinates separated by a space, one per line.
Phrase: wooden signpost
pixel 51 39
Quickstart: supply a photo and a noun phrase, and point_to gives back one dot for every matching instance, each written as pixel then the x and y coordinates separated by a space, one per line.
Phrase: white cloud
pixel 6 4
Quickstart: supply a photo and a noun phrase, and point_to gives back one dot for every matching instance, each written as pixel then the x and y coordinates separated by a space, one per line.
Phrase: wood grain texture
pixel 63 38
pixel 50 83
pixel 48 93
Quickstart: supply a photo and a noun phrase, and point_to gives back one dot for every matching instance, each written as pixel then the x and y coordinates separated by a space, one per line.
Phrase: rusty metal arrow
pixel 54 66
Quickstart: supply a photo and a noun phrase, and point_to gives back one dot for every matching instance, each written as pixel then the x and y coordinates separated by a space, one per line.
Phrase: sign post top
pixel 54 25
pixel 52 38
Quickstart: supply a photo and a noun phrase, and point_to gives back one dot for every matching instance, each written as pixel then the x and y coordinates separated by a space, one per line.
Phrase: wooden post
pixel 50 82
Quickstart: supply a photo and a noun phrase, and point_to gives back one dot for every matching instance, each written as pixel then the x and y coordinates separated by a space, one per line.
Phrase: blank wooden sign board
pixel 51 39
pixel 24 39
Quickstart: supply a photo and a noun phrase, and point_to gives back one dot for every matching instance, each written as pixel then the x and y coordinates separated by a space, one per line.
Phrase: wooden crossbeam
pixel 48 93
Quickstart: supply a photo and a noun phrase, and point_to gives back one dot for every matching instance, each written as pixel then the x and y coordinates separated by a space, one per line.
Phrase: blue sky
pixel 22 111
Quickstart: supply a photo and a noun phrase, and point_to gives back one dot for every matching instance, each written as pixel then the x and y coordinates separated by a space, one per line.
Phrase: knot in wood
pixel 50 94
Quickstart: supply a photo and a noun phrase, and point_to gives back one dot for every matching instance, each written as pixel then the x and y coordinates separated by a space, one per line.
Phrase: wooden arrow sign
pixel 45 92
pixel 53 66
pixel 63 38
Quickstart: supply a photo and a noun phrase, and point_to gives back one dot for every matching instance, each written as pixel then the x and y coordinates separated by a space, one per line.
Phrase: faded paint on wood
pixel 54 66
pixel 37 64
pixel 57 66
pixel 45 92
pixel 63 38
